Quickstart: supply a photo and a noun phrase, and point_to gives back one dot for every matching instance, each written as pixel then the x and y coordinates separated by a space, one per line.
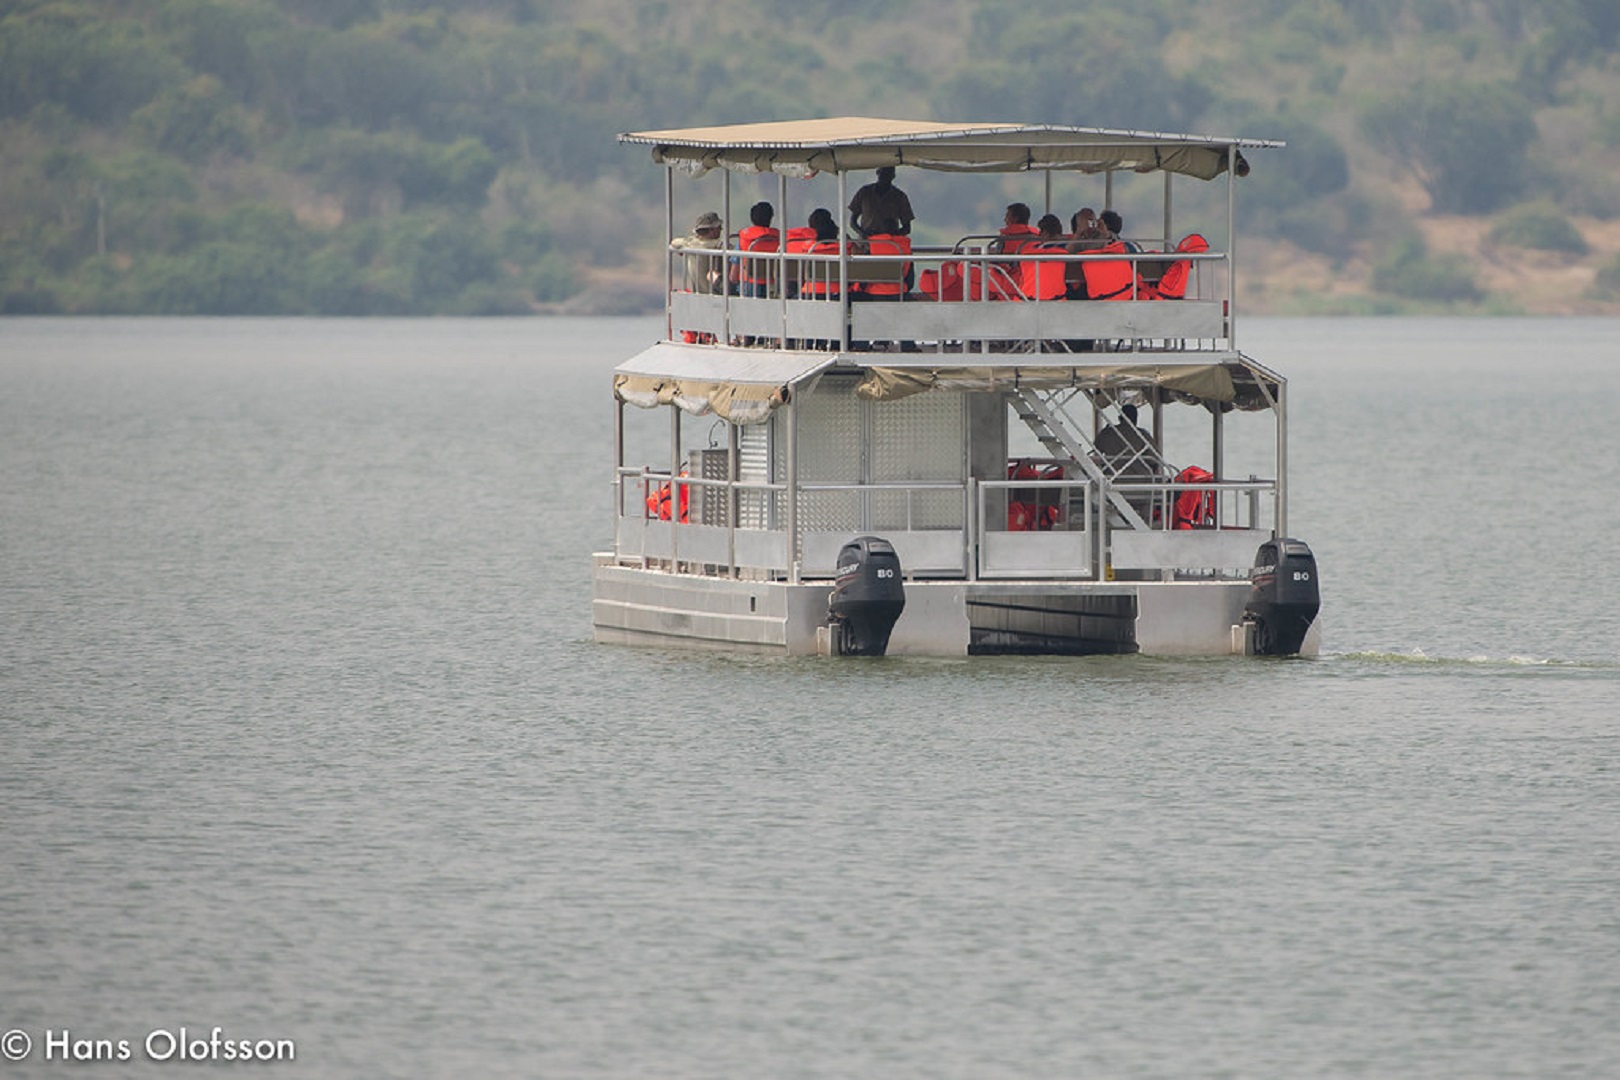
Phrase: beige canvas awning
pixel 741 386
pixel 850 143
pixel 1229 384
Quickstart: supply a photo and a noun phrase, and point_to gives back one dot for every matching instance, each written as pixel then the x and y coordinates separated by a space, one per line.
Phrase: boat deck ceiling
pixel 849 143
pixel 670 372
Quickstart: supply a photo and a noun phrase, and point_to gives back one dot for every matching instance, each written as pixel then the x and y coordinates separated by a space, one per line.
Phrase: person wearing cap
pixel 703 272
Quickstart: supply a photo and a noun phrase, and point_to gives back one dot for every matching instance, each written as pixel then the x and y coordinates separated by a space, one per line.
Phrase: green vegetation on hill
pixel 457 156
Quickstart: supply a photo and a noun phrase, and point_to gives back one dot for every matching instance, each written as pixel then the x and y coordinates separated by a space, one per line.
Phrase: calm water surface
pixel 305 738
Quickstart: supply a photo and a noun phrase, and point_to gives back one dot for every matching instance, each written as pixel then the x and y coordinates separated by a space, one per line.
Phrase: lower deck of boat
pixel 1195 617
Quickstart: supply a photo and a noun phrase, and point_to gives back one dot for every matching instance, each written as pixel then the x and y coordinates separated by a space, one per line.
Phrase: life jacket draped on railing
pixel 956 281
pixel 1193 508
pixel 1172 285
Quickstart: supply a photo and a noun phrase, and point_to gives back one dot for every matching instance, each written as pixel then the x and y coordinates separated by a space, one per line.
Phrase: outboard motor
pixel 867 598
pixel 1285 597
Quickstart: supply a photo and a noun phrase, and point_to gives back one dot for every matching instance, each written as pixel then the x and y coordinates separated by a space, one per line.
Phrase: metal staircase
pixel 1049 423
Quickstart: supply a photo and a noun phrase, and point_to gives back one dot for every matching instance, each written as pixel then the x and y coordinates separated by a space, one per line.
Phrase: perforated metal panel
pixel 830 434
pixel 829 453
pixel 754 466
pixel 847 441
pixel 919 438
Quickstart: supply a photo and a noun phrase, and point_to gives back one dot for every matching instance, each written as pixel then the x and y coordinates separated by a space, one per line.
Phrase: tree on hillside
pixel 1468 144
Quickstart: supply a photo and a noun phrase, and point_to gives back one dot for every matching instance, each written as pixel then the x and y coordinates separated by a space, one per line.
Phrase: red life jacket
pixel 1042 279
pixel 942 284
pixel 762 240
pixel 820 279
pixel 1173 284
pixel 885 244
pixel 1109 279
pixel 1194 508
pixel 798 242
pixel 658 499
pixel 1014 238
pixel 1026 512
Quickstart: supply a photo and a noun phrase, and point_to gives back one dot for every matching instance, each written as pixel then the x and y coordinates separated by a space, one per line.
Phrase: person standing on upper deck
pixel 879 202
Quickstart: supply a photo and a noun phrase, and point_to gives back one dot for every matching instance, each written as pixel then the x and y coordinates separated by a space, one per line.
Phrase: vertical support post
pixel 1219 455
pixel 792 409
pixel 675 488
pixel 843 262
pixel 781 253
pixel 1231 247
pixel 1169 232
pixel 669 265
pixel 725 260
pixel 618 475
pixel 1282 459
pixel 733 468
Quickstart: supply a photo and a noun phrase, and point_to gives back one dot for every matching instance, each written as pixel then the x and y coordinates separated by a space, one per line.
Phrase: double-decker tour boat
pixel 1015 443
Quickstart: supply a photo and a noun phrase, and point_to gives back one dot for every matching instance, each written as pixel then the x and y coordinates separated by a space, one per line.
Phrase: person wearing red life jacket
pixel 819 280
pixel 1112 279
pixel 1016 231
pixel 754 275
pixel 797 242
pixel 1042 279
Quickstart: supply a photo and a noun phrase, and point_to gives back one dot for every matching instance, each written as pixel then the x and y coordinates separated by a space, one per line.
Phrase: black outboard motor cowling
pixel 867 598
pixel 1285 598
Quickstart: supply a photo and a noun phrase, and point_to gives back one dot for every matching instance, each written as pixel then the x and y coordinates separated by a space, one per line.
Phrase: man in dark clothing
pixel 879 202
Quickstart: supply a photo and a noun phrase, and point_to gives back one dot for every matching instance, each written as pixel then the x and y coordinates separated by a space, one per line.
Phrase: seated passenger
pixel 819 280
pixel 1084 235
pixel 702 271
pixel 798 241
pixel 1042 279
pixel 754 276
pixel 1016 231
pixel 1113 227
pixel 1112 279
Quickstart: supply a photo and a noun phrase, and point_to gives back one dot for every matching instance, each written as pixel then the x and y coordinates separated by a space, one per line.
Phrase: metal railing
pixel 958 298
pixel 984 528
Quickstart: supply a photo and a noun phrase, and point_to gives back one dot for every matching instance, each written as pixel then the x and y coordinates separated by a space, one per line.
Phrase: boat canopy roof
pixel 851 143
pixel 745 386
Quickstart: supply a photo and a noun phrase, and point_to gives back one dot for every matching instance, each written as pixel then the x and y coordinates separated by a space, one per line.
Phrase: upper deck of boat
pixel 973 295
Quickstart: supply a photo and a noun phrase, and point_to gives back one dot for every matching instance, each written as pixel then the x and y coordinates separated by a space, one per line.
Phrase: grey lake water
pixel 305 739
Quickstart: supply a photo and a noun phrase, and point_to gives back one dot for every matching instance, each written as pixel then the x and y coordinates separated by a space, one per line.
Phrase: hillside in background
pixel 410 156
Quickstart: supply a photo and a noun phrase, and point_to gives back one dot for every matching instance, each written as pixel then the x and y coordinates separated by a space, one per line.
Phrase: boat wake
pixel 1419 658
